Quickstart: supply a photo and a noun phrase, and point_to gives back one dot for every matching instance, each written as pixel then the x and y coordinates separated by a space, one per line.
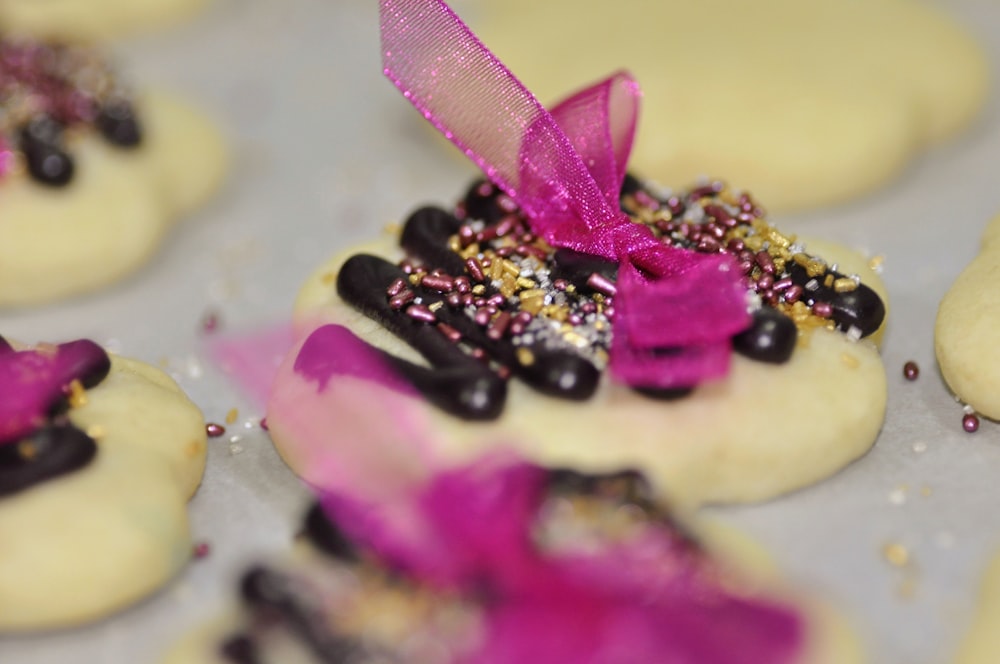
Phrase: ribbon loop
pixel 676 310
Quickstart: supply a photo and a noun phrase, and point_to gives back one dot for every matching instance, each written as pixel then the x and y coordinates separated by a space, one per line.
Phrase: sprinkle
pixel 911 371
pixel 850 361
pixel 27 450
pixel 898 495
pixel 498 326
pixel 970 423
pixel 844 285
pixel 602 284
pixel 896 554
pixel 920 447
pixel 399 301
pixel 213 430
pixel 263 424
pixel 232 415
pixel 449 332
pixel 210 322
pixel 396 287
pixel 525 357
pixel 441 284
pixel 421 313
pixel 77 395
pixel 201 550
pixel 96 431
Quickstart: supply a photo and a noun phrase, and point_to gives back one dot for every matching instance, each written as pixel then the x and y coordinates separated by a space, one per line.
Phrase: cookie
pixel 92 177
pixel 804 396
pixel 91 19
pixel 583 317
pixel 965 330
pixel 98 458
pixel 506 562
pixel 764 93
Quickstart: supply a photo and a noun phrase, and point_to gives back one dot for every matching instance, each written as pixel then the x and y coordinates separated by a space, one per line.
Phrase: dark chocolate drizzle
pixel 53 450
pixel 458 382
pixel 467 387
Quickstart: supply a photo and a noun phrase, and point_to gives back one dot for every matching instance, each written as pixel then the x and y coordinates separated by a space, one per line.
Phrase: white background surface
pixel 325 153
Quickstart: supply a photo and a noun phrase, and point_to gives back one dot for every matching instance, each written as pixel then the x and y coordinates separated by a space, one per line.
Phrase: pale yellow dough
pixel 802 102
pixel 982 642
pixel 830 639
pixel 81 546
pixel 965 333
pixel 115 212
pixel 762 431
pixel 91 19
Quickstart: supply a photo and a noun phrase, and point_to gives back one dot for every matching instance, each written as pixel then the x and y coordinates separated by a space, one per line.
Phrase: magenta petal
pixel 32 382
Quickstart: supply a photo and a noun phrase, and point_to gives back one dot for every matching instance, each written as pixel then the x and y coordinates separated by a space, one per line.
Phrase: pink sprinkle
pixel 263 424
pixel 421 313
pixel 201 550
pixel 970 423
pixel 602 284
pixel 210 322
pixel 213 430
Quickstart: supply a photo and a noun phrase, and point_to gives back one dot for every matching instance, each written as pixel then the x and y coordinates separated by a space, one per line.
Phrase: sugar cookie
pixel 512 563
pixel 965 330
pixel 91 19
pixel 90 178
pixel 98 457
pixel 804 395
pixel 767 94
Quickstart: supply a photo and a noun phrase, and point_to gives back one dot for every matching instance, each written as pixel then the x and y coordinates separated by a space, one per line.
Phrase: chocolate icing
pixel 465 386
pixel 53 450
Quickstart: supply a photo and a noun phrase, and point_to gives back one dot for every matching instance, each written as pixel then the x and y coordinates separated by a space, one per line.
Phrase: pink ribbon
pixel 676 310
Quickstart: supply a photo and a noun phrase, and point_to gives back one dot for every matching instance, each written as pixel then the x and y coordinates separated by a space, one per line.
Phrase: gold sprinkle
pixel 328 278
pixel 232 415
pixel 828 280
pixel 525 356
pixel 77 395
pixel 524 282
pixel 96 431
pixel 434 306
pixel 876 262
pixel 478 289
pixel 896 554
pixel 926 491
pixel 508 286
pixel 454 244
pixel 393 228
pixel 511 268
pixel 576 339
pixel 754 242
pixel 815 267
pixel 27 450
pixel 555 312
pixel 801 259
pixel 496 269
pixel 850 361
pixel 472 251
pixel 844 285
pixel 415 278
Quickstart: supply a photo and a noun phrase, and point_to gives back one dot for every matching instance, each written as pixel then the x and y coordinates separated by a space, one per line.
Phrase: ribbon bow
pixel 676 310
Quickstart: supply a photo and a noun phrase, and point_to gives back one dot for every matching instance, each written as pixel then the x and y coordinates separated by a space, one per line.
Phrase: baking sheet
pixel 324 153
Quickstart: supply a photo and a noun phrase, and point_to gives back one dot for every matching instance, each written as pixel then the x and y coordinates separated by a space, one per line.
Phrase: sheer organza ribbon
pixel 676 310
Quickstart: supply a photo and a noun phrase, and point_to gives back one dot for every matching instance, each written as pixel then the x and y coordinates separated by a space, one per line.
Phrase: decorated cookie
pixel 504 562
pixel 91 19
pixel 965 332
pixel 98 457
pixel 765 93
pixel 585 318
pixel 91 176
